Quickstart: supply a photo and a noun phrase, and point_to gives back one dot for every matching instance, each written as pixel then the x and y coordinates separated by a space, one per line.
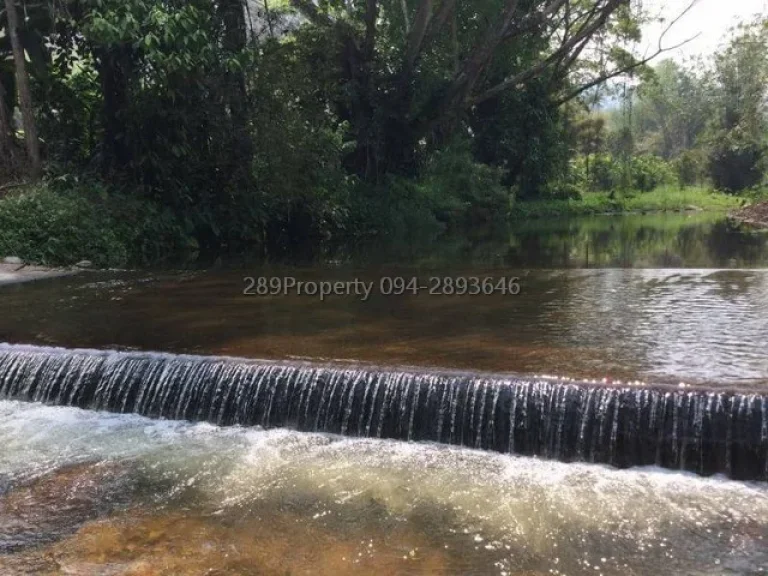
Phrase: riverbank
pixel 19 273
pixel 666 199
pixel 755 215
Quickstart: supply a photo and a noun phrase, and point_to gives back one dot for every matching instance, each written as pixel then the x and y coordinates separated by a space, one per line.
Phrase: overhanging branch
pixel 585 32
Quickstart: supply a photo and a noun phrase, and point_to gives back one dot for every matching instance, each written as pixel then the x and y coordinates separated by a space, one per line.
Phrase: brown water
pixel 663 299
pixel 701 319
pixel 696 326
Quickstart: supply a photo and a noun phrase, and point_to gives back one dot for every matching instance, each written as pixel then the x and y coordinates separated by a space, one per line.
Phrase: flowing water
pixel 198 499
pixel 386 403
pixel 701 431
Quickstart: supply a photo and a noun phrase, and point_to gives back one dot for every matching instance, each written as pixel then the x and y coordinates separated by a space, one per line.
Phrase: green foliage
pixel 650 172
pixel 690 168
pixel 53 229
pixel 61 225
pixel 282 136
pixel 738 153
pixel 524 134
pixel 463 190
pixel 607 173
pixel 564 191
pixel 664 199
pixel 736 163
pixel 454 191
pixel 303 188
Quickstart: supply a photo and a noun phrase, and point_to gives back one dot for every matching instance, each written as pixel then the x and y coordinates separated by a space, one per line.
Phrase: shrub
pixel 608 173
pixel 462 190
pixel 563 191
pixel 649 172
pixel 61 225
pixel 605 173
pixel 736 163
pixel 689 167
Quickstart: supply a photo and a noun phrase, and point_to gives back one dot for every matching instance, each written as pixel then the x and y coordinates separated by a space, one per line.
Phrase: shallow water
pixel 687 303
pixel 664 299
pixel 186 498
pixel 694 326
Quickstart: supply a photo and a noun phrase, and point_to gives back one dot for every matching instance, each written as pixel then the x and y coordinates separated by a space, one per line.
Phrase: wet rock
pixel 57 504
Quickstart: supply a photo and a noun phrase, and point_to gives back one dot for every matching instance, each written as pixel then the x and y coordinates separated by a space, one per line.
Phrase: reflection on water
pixel 691 240
pixel 636 241
pixel 194 499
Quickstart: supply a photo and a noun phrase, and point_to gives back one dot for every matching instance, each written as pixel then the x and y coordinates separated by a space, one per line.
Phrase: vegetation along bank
pixel 132 131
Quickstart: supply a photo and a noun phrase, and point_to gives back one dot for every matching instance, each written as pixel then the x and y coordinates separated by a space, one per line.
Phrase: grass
pixel 664 199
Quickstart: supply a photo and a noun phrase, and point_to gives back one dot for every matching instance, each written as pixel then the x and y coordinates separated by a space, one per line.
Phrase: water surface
pixel 694 326
pixel 661 298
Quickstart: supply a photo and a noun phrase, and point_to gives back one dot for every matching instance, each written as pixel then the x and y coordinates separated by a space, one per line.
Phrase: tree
pixel 402 87
pixel 738 157
pixel 6 142
pixel 25 93
pixel 590 137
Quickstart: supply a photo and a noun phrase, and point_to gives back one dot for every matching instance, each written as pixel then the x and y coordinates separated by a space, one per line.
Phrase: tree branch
pixel 585 32
pixel 406 18
pixel 623 70
pixel 620 71
pixel 465 80
pixel 371 13
pixel 417 35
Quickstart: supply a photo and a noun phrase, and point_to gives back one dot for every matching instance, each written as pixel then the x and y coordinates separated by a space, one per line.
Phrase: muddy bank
pixel 754 215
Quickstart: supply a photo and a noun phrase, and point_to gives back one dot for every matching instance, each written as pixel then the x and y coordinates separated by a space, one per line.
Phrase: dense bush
pixel 736 163
pixel 650 172
pixel 607 173
pixel 454 190
pixel 57 225
pixel 690 168
pixel 462 190
pixel 563 191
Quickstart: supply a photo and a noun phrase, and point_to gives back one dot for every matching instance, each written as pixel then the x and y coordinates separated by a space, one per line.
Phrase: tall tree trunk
pixel 6 142
pixel 235 40
pixel 115 67
pixel 455 39
pixel 25 94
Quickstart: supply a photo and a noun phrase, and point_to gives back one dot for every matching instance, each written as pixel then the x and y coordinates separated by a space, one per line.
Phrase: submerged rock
pixel 57 504
pixel 182 545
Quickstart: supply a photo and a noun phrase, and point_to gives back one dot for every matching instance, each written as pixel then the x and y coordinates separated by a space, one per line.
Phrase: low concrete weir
pixel 706 432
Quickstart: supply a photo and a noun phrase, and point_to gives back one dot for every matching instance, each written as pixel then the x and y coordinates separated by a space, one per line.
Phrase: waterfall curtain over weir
pixel 701 431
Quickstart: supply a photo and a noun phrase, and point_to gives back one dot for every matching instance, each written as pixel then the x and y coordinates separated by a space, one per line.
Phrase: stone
pixel 13 260
pixel 84 264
